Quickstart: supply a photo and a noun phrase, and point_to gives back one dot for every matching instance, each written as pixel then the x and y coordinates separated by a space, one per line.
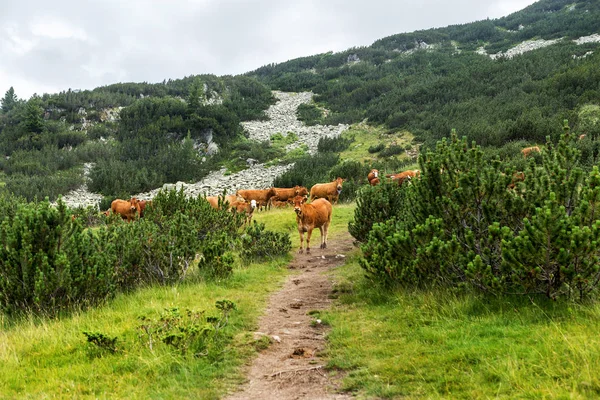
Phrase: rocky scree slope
pixel 258 176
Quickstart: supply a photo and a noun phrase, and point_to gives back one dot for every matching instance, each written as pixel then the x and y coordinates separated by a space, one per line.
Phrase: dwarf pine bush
pixel 467 223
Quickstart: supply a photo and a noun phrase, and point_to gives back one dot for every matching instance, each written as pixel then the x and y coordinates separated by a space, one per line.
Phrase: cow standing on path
pixel 310 216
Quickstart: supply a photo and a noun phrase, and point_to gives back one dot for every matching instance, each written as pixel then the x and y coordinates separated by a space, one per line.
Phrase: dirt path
pixel 291 367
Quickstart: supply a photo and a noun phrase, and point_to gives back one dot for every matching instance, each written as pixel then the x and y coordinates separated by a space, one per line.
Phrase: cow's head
pixel 338 185
pixel 298 203
pixel 375 173
pixel 301 191
pixel 134 204
pixel 253 204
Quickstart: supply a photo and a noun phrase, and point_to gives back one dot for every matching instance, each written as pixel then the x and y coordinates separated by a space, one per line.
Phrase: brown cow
pixel 243 207
pixel 262 197
pixel 582 136
pixel 401 177
pixel 516 177
pixel 126 208
pixel 214 200
pixel 373 174
pixel 143 204
pixel 310 216
pixel 285 194
pixel 528 150
pixel 374 182
pixel 330 191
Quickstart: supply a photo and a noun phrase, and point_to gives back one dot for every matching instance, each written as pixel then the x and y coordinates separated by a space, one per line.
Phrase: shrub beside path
pixel 291 367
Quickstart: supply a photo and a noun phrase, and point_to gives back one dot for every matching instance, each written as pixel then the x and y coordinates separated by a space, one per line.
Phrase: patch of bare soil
pixel 290 368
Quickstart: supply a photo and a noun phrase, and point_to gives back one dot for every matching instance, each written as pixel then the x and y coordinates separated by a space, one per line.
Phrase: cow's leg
pixel 321 228
pixel 301 240
pixel 326 229
pixel 308 240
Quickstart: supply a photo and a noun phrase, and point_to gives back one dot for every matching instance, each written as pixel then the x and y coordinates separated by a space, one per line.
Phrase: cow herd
pixel 309 216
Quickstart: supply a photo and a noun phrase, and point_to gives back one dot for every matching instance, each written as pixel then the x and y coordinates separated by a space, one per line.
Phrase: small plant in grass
pixel 102 341
pixel 262 343
pixel 279 140
pixel 310 114
pixel 334 144
pixel 187 331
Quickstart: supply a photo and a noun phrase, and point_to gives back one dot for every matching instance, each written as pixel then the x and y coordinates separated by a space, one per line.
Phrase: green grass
pixel 41 358
pixel 366 136
pixel 437 344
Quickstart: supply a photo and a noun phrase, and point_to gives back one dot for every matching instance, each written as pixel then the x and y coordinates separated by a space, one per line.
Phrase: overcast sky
pixel 49 46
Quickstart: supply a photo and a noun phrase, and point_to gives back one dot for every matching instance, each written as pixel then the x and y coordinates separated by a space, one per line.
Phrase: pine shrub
pixel 258 243
pixel 463 224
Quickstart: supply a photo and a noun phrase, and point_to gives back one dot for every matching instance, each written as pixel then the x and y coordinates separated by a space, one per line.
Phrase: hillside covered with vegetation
pixel 154 140
pixel 429 82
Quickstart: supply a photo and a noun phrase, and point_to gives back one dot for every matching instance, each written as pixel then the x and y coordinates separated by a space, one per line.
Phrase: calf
pixel 310 216
pixel 278 203
pixel 516 177
pixel 330 191
pixel 143 204
pixel 243 207
pixel 286 194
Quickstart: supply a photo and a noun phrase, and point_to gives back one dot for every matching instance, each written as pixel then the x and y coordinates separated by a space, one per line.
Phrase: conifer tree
pixel 9 101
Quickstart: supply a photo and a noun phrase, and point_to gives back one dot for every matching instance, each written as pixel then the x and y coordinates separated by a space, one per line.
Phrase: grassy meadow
pixel 366 136
pixel 439 344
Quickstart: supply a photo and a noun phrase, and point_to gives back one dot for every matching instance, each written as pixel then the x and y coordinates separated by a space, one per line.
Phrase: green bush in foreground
pixel 258 243
pixel 49 262
pixel 463 225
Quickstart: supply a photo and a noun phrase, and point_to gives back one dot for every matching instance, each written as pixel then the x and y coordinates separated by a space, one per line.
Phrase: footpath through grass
pixel 415 344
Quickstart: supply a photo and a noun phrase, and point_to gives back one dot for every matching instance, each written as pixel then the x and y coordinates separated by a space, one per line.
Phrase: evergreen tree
pixel 33 121
pixel 10 100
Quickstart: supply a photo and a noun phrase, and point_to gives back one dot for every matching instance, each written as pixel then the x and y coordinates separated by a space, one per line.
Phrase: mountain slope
pixel 433 80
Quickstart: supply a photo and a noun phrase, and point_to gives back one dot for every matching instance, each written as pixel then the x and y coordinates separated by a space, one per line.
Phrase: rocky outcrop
pixel 258 176
pixel 282 119
pixel 588 39
pixel 81 197
pixel 524 47
pixel 530 45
